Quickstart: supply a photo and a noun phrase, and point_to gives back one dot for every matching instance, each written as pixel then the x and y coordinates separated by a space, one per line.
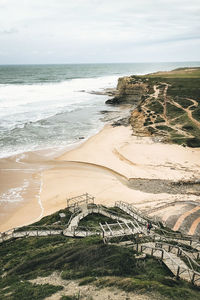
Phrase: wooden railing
pixel 179 270
pixel 136 214
pixel 80 200
pixel 37 232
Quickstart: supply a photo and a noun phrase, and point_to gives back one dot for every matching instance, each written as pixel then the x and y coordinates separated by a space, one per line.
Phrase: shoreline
pixel 107 165
pixel 28 167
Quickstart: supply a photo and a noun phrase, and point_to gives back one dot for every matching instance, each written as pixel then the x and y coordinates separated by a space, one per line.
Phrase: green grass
pixel 193 142
pixel 173 111
pixel 183 102
pixel 24 290
pixel 179 139
pixel 196 114
pixel 49 220
pixel 156 107
pixel 93 220
pixel 87 280
pixel 100 260
pixel 159 119
pixel 180 73
pixel 89 260
pixel 152 130
pixel 86 259
pixel 168 288
pixel 165 128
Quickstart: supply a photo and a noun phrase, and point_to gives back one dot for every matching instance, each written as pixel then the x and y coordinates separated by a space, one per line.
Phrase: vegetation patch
pixel 165 128
pixel 156 107
pixel 169 288
pixel 173 111
pixel 159 119
pixel 94 219
pixel 53 220
pixel 185 103
pixel 87 280
pixel 24 290
pixel 194 142
pixel 196 114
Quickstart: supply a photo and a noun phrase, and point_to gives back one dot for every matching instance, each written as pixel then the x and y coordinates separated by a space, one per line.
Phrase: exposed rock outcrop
pixel 129 90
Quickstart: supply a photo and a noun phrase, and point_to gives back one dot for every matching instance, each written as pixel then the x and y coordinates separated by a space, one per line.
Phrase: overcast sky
pixel 81 31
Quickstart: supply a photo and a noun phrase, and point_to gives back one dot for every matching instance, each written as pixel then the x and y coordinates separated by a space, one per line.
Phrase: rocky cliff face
pixel 129 91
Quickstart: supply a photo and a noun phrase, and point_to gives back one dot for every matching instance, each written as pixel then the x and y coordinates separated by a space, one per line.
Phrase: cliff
pixel 167 105
pixel 129 90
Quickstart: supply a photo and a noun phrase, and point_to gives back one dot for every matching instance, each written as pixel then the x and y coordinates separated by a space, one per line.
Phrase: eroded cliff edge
pixel 165 105
pixel 129 90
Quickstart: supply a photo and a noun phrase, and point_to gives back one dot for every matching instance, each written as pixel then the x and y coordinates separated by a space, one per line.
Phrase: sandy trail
pixel 156 91
pixel 189 113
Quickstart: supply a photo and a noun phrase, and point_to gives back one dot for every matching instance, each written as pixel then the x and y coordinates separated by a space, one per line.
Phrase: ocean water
pixel 44 106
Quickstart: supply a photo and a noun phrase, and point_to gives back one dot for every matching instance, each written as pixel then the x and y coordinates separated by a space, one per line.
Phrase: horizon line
pixel 95 63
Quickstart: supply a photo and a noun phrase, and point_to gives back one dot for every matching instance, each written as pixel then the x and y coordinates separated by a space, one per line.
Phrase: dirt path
pixel 165 104
pixel 156 91
pixel 164 115
pixel 188 111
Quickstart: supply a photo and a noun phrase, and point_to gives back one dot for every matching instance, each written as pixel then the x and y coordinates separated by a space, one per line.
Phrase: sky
pixel 98 31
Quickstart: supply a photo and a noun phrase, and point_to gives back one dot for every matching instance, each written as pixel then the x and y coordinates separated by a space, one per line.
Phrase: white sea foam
pixel 14 194
pixel 40 116
pixel 37 101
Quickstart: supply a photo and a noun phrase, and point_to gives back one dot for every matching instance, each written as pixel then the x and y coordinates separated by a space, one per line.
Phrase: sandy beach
pixel 112 165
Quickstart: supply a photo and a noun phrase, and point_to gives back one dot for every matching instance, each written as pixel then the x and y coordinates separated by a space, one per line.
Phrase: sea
pixel 51 106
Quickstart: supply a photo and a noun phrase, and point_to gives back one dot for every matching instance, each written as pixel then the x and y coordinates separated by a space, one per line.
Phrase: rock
pixel 105 111
pixel 121 122
pixel 116 100
pixel 129 90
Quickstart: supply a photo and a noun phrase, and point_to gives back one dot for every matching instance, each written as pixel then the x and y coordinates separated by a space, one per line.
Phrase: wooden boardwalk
pixel 182 263
pixel 14 234
pixel 119 230
pixel 84 212
pixel 76 202
pixel 175 264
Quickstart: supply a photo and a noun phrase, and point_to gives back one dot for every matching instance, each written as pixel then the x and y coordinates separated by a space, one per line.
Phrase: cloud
pixel 8 31
pixel 78 29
